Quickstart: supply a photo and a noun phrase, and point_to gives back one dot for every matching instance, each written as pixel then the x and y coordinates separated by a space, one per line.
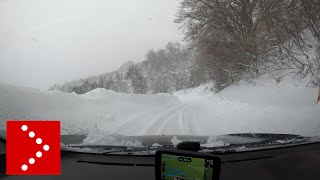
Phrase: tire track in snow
pixel 193 123
pixel 180 119
pixel 183 129
pixel 173 118
pixel 128 126
pixel 135 124
pixel 158 124
pixel 187 121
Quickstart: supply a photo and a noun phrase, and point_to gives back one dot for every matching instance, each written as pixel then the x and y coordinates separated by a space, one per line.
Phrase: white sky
pixel 48 41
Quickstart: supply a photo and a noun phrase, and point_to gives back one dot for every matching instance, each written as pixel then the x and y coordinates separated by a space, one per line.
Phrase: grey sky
pixel 48 41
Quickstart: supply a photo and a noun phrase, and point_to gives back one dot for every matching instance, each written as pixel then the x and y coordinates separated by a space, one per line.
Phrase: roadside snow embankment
pixel 92 112
pixel 272 109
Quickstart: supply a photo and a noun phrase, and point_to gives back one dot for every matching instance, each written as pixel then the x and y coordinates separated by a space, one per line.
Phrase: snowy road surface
pixel 237 109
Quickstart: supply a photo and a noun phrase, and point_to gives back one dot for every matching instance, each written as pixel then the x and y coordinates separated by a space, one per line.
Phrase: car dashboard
pixel 295 162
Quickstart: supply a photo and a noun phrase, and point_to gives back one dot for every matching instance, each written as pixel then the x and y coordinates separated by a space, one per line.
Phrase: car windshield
pixel 135 75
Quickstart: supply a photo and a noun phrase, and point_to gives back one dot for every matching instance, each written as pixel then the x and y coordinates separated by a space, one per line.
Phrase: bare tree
pixel 291 22
pixel 139 83
pixel 226 33
pixel 236 37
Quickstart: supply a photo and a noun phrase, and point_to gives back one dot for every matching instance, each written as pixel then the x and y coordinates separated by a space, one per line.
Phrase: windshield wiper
pixel 110 149
pixel 225 149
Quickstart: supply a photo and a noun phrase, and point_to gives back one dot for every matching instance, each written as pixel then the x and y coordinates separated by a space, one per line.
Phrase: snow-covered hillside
pixel 266 107
pixel 163 71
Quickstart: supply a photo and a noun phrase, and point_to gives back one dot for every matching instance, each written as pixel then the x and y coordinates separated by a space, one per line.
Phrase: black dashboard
pixel 297 162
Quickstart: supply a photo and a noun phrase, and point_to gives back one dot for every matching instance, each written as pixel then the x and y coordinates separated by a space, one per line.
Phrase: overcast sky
pixel 48 41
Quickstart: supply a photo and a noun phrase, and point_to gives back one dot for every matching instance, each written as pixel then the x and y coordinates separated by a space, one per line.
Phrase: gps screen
pixel 174 167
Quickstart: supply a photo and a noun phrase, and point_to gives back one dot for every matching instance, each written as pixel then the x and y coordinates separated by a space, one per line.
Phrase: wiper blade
pixel 258 145
pixel 110 149
pixel 98 146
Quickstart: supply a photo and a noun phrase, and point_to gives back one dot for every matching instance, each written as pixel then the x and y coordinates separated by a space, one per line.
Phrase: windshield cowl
pixel 212 144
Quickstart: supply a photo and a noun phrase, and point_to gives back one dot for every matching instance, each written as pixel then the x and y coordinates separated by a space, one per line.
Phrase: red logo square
pixel 33 148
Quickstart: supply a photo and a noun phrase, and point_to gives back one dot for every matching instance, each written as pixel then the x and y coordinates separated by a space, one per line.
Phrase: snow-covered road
pixel 179 119
pixel 237 109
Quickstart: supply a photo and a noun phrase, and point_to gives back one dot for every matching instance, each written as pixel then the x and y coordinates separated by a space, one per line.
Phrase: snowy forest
pixel 226 41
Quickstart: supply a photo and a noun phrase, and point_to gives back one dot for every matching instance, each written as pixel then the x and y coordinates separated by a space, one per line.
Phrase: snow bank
pixel 100 137
pixel 100 109
pixel 262 107
pixel 175 141
pixel 214 142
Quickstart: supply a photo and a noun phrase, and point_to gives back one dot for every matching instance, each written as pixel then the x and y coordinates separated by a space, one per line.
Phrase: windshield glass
pixel 154 73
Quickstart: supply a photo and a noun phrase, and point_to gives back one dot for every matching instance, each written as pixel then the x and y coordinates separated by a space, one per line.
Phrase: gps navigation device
pixel 186 165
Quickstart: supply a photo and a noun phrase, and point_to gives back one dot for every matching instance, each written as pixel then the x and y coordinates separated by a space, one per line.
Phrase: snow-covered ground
pixel 265 107
pixel 271 108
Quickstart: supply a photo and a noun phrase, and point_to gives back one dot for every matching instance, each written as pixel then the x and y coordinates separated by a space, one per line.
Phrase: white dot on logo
pixel 39 141
pixel 24 127
pixel 46 147
pixel 31 134
pixel 39 154
pixel 24 167
pixel 32 160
